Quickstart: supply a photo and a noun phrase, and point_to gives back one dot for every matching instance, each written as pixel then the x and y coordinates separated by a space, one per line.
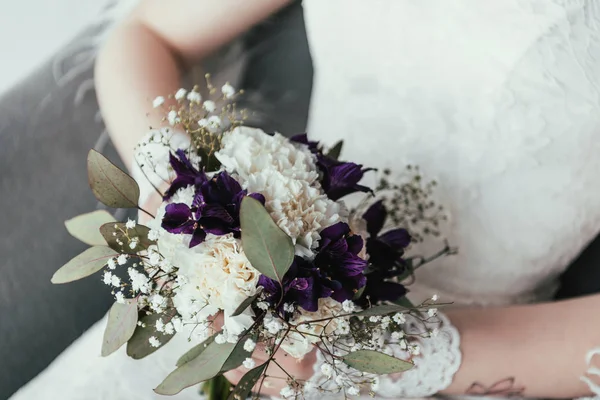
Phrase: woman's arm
pixel 144 55
pixel 540 350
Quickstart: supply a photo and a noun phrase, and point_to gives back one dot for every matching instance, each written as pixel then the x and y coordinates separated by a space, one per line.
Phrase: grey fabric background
pixel 47 125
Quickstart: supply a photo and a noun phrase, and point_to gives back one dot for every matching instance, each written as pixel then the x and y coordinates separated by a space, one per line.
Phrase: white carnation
pixel 246 151
pixel 213 276
pixel 299 209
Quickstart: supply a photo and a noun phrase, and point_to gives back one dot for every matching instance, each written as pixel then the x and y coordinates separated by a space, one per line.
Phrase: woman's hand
pixel 301 370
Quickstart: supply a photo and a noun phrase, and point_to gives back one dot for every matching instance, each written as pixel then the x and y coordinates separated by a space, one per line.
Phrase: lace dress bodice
pixel 498 101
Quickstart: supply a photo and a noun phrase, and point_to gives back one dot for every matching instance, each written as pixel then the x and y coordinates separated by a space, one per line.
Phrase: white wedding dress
pixel 499 101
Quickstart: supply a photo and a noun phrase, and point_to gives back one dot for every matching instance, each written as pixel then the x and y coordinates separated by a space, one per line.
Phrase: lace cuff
pixel 438 359
pixel 591 372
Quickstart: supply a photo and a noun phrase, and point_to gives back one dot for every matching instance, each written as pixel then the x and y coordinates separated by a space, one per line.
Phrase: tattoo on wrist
pixel 506 387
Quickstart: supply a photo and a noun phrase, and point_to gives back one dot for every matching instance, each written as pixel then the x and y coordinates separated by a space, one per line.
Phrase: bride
pixel 499 101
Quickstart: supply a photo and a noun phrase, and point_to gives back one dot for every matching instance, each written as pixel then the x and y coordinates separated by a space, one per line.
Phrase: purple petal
pixel 387 291
pixel 259 197
pixel 355 244
pixel 269 285
pixel 184 160
pixel 178 183
pixel 303 139
pixel 396 238
pixel 342 178
pixel 335 231
pixel 375 217
pixel 229 186
pixel 216 211
pixel 351 265
pixel 178 219
pixel 197 237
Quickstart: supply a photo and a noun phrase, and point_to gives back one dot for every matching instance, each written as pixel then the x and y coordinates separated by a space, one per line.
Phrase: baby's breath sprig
pixel 205 121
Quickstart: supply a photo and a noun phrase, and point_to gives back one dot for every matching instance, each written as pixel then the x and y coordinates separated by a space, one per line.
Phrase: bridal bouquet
pixel 253 250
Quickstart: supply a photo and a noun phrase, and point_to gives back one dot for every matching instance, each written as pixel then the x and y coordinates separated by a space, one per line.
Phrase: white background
pixel 31 31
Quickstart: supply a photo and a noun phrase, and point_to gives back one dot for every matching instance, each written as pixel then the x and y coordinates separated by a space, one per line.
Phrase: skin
pixel 538 349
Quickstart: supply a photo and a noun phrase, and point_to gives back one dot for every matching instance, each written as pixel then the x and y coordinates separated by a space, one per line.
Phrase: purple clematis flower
pixel 338 178
pixel 215 210
pixel 187 174
pixel 385 256
pixel 303 284
pixel 341 178
pixel 385 250
pixel 337 256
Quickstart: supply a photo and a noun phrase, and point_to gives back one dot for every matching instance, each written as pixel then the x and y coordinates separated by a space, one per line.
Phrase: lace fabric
pixel 434 369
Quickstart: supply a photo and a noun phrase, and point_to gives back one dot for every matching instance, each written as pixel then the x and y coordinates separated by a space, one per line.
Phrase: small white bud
pixel 158 101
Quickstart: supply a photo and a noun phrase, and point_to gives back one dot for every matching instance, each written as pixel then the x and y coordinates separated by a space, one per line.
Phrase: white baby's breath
pixel 228 91
pixel 180 94
pixel 158 101
pixel 120 298
pixel 130 224
pixel 154 342
pixel 249 363
pixel 209 106
pixel 249 345
pixel 173 118
pixel 194 97
pixel 122 259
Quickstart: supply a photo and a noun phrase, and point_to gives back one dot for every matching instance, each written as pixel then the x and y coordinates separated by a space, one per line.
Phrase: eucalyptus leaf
pixel 122 320
pixel 138 346
pixel 206 366
pixel 90 261
pixel 269 249
pixel 117 232
pixel 195 351
pixel 245 304
pixel 384 309
pixel 336 150
pixel 244 387
pixel 85 227
pixel 217 388
pixel 110 184
pixel 404 302
pixel 238 355
pixel 374 362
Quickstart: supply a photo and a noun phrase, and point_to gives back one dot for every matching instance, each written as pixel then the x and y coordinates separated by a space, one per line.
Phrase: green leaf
pixel 245 304
pixel 122 320
pixel 359 293
pixel 384 309
pixel 244 387
pixel 375 362
pixel 336 150
pixel 217 388
pixel 195 351
pixel 110 184
pixel 85 227
pixel 404 302
pixel 209 159
pixel 138 346
pixel 238 355
pixel 269 249
pixel 115 232
pixel 206 366
pixel 90 261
